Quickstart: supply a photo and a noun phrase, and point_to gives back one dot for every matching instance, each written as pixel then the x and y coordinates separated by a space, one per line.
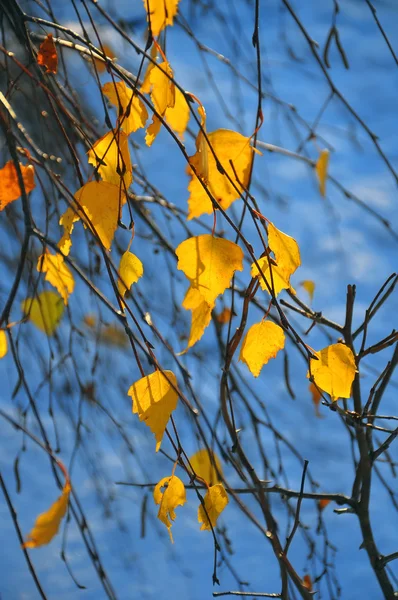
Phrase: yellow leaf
pixel 277 278
pixel 3 343
pixel 98 205
pixel 47 524
pixel 112 157
pixel 335 370
pixel 177 116
pixel 153 130
pixel 9 184
pixel 206 465
pixel 321 169
pixel 160 13
pixel 146 84
pixel 132 113
pixel 215 500
pixel 309 287
pixel 130 270
pixel 57 273
pixel 162 95
pixel 285 249
pixel 45 311
pixel 101 66
pixel 154 399
pixel 209 263
pixel 227 145
pixel 201 315
pixel 174 495
pixel 262 342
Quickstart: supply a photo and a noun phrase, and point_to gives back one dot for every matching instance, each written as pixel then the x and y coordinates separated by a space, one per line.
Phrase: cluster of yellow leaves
pixel 9 184
pixel 45 310
pixel 321 168
pixel 160 13
pixel 334 371
pixel 47 55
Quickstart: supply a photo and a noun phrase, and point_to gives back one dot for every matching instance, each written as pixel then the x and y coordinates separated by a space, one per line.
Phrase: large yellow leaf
pixel 112 157
pixel 261 343
pixel 209 263
pixel 160 13
pixel 132 113
pixel 206 465
pixel 215 500
pixel 285 249
pixel 227 145
pixel 321 169
pixel 154 399
pixel 9 184
pixel 130 270
pixel 201 315
pixel 47 524
pixel 177 116
pixel 57 273
pixel 335 370
pixel 276 278
pixel 174 495
pixel 45 311
pixel 101 202
pixel 3 343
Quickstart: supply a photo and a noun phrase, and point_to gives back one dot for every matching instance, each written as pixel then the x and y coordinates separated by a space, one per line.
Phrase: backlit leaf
pixel 206 465
pixel 160 13
pixel 316 398
pixel 154 399
pixel 47 524
pixel 45 310
pixel 3 343
pixel 321 169
pixel 174 495
pixel 101 66
pixel 201 315
pixel 285 249
pixel 177 116
pixel 215 500
pixel 57 273
pixel 227 145
pixel 9 185
pixel 307 583
pixel 209 263
pixel 162 95
pixel 309 287
pixel 261 343
pixel 112 157
pixel 323 503
pixel 130 270
pixel 276 277
pixel 335 370
pixel 47 55
pixel 132 113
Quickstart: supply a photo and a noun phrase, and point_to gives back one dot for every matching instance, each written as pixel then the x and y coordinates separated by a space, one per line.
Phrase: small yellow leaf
pixel 3 343
pixel 153 130
pixel 130 270
pixel 309 287
pixel 9 184
pixel 45 311
pixel 335 370
pixel 48 523
pixel 154 399
pixel 209 263
pixel 227 146
pixel 57 273
pixel 112 157
pixel 262 342
pixel 160 13
pixel 201 315
pixel 146 84
pixel 215 500
pixel 276 277
pixel 101 66
pixel 177 116
pixel 206 465
pixel 132 113
pixel 285 249
pixel 174 495
pixel 321 168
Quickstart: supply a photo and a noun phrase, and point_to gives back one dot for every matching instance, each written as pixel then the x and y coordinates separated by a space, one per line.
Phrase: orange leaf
pixel 101 66
pixel 47 56
pixel 9 185
pixel 323 503
pixel 224 316
pixel 307 582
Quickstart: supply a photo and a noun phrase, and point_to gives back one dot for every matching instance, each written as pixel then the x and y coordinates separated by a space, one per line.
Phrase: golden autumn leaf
pixel 174 495
pixel 162 95
pixel 224 316
pixel 335 370
pixel 215 500
pixel 276 277
pixel 227 145
pixel 209 263
pixel 316 398
pixel 9 184
pixel 154 399
pixel 321 169
pixel 130 270
pixel 132 113
pixel 307 583
pixel 47 55
pixel 177 116
pixel 48 523
pixel 98 205
pixel 146 84
pixel 57 273
pixel 285 249
pixel 3 343
pixel 111 156
pixel 206 465
pixel 309 287
pixel 45 311
pixel 261 343
pixel 160 13
pixel 201 315
pixel 322 504
pixel 101 66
